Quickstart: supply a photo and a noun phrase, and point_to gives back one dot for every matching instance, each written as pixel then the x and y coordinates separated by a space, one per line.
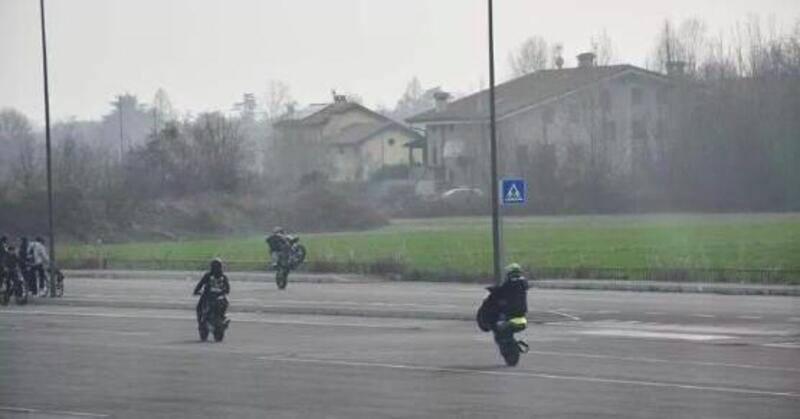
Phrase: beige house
pixel 614 114
pixel 344 141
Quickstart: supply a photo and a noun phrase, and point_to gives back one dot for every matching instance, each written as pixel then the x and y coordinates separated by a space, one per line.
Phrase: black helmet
pixel 278 230
pixel 216 265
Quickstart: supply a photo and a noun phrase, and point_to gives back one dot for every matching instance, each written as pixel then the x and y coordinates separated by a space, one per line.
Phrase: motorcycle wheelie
pixel 503 313
pixel 213 289
pixel 287 254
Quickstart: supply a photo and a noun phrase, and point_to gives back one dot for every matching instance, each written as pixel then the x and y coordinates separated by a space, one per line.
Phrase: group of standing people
pixel 30 259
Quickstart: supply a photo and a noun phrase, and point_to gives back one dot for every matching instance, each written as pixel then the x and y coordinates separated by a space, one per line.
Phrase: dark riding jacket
pixel 213 284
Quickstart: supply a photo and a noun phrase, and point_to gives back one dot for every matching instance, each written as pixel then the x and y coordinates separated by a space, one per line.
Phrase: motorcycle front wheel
pixel 299 254
pixel 219 334
pixel 203 330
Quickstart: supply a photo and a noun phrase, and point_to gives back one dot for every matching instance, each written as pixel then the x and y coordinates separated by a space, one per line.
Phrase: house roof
pixel 526 91
pixel 359 133
pixel 320 113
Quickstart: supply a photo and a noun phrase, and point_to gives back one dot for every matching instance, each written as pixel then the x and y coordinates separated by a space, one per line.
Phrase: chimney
pixel 441 100
pixel 676 68
pixel 586 59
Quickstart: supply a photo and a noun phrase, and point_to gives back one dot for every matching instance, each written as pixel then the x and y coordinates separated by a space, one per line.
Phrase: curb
pixel 233 276
pixel 562 284
pixel 695 288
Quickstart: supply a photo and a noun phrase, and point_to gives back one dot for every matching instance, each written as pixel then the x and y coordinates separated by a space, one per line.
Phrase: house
pixel 613 114
pixel 344 141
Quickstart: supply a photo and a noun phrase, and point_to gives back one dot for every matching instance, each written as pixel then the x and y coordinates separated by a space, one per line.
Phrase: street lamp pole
pixel 51 235
pixel 497 250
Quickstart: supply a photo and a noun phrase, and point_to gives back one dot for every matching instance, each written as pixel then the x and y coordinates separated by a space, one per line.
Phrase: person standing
pixel 39 260
pixel 25 262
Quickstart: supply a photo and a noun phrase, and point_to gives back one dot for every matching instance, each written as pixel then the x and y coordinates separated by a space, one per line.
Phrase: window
pixel 637 96
pixel 391 141
pixel 433 154
pixel 451 127
pixel 638 129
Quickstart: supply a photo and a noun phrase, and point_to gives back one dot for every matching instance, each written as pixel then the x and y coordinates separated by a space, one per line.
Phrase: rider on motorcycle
pixel 512 302
pixel 213 284
pixel 279 246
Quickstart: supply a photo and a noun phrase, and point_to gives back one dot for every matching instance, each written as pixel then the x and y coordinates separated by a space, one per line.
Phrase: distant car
pixel 462 195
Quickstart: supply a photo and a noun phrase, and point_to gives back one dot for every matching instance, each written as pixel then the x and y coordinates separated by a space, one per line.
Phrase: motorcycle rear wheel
pixel 281 278
pixel 203 330
pixel 21 294
pixel 219 334
pixel 510 353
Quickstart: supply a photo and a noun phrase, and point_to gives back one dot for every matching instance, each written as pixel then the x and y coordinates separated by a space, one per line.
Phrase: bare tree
pixel 162 110
pixel 17 142
pixel 688 43
pixel 277 98
pixel 603 48
pixel 531 56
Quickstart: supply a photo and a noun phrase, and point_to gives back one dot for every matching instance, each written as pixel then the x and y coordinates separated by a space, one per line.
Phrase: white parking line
pixel 236 317
pixel 785 345
pixel 653 335
pixel 569 316
pixel 539 375
pixel 704 316
pixel 654 313
pixel 749 317
pixel 28 411
pixel 663 361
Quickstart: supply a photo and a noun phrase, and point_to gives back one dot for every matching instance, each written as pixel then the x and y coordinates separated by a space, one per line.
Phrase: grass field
pixel 670 241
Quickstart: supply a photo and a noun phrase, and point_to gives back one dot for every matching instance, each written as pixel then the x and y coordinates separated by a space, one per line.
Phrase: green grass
pixel 683 241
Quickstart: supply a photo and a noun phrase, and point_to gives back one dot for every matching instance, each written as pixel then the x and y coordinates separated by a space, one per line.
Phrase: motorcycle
pixel 491 319
pixel 212 318
pixel 289 262
pixel 12 284
pixel 59 283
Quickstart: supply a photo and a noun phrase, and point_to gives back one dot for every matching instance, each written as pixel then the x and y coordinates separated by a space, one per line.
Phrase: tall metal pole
pixel 495 195
pixel 52 240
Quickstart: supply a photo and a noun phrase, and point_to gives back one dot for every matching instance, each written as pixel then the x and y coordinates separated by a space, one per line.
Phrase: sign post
pixel 51 234
pixel 496 243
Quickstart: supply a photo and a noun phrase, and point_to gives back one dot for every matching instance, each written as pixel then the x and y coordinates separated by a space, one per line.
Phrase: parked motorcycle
pixel 289 262
pixel 59 283
pixel 12 284
pixel 491 318
pixel 212 318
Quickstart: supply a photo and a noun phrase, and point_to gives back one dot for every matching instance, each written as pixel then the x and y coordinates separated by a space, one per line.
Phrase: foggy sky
pixel 207 53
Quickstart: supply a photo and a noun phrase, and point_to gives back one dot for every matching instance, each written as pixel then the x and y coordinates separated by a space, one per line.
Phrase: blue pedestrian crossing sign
pixel 513 191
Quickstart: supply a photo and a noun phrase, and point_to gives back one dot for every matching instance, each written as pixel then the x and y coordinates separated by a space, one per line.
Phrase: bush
pixel 318 208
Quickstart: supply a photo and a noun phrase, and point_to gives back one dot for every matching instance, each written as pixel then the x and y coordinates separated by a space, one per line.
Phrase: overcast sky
pixel 207 53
